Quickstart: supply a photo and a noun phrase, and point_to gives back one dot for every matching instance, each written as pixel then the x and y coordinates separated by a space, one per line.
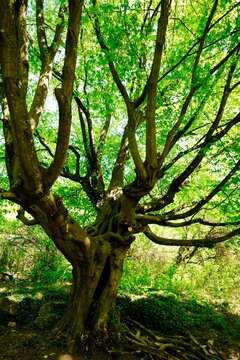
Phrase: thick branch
pixel 47 58
pixel 205 242
pixel 200 41
pixel 41 33
pixel 23 45
pixel 12 40
pixel 162 33
pixel 140 168
pixel 118 170
pixel 64 94
pixel 87 135
pixel 26 221
pixel 151 148
pixel 123 154
pixel 133 146
pixel 103 136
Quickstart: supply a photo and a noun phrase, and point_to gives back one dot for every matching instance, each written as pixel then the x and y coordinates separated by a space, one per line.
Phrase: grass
pixel 198 297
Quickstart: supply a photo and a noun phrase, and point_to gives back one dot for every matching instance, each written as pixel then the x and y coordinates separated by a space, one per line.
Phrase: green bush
pixel 156 312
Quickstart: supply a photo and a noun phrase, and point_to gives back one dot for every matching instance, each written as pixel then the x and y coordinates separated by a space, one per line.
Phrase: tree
pixel 155 87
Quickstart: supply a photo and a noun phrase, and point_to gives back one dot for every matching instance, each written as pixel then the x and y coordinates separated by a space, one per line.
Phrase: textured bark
pixel 96 253
pixel 93 294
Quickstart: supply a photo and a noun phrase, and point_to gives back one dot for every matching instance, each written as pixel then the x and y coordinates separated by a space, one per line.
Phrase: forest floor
pixel 24 336
pixel 27 343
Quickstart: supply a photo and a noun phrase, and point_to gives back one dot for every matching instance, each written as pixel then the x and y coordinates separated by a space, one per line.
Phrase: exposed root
pixel 153 346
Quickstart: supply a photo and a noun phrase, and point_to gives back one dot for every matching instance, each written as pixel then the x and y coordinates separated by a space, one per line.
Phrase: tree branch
pixel 200 221
pixel 151 146
pixel 199 145
pixel 43 143
pixel 161 34
pixel 41 33
pixel 201 43
pixel 21 216
pixel 111 64
pixel 169 140
pixel 94 170
pixel 103 136
pixel 207 198
pixel 182 132
pixel 189 52
pixel 193 89
pixel 118 170
pixel 205 242
pixel 87 136
pixel 160 203
pixel 64 94
pixel 165 220
pixel 23 45
pixel 225 59
pixel 77 155
pixel 9 195
pixel 209 139
pixel 13 40
pixel 47 57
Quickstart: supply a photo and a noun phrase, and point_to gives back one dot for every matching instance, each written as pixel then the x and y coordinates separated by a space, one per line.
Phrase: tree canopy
pixel 144 121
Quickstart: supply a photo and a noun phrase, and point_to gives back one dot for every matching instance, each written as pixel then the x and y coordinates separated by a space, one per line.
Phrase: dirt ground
pixel 26 343
pixel 22 338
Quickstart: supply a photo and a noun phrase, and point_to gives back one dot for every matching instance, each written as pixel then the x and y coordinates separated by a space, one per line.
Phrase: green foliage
pixel 175 299
pixel 129 30
pixel 164 314
pixel 76 201
pixel 173 315
pixel 163 296
pixel 50 268
pixel 28 253
pixel 154 290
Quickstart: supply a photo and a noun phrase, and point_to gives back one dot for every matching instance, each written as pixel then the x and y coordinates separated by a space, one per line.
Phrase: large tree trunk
pixel 96 254
pixel 93 294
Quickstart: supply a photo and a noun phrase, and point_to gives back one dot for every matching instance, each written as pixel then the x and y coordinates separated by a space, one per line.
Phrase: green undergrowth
pixel 175 316
pixel 164 312
pixel 200 296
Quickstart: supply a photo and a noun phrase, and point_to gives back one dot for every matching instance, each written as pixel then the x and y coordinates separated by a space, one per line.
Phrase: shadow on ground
pixel 25 335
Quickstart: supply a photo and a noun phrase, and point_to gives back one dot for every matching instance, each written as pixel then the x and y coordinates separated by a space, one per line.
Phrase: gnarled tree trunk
pixel 96 254
pixel 93 294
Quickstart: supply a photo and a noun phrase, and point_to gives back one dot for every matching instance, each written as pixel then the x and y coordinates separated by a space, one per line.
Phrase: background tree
pixel 153 143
